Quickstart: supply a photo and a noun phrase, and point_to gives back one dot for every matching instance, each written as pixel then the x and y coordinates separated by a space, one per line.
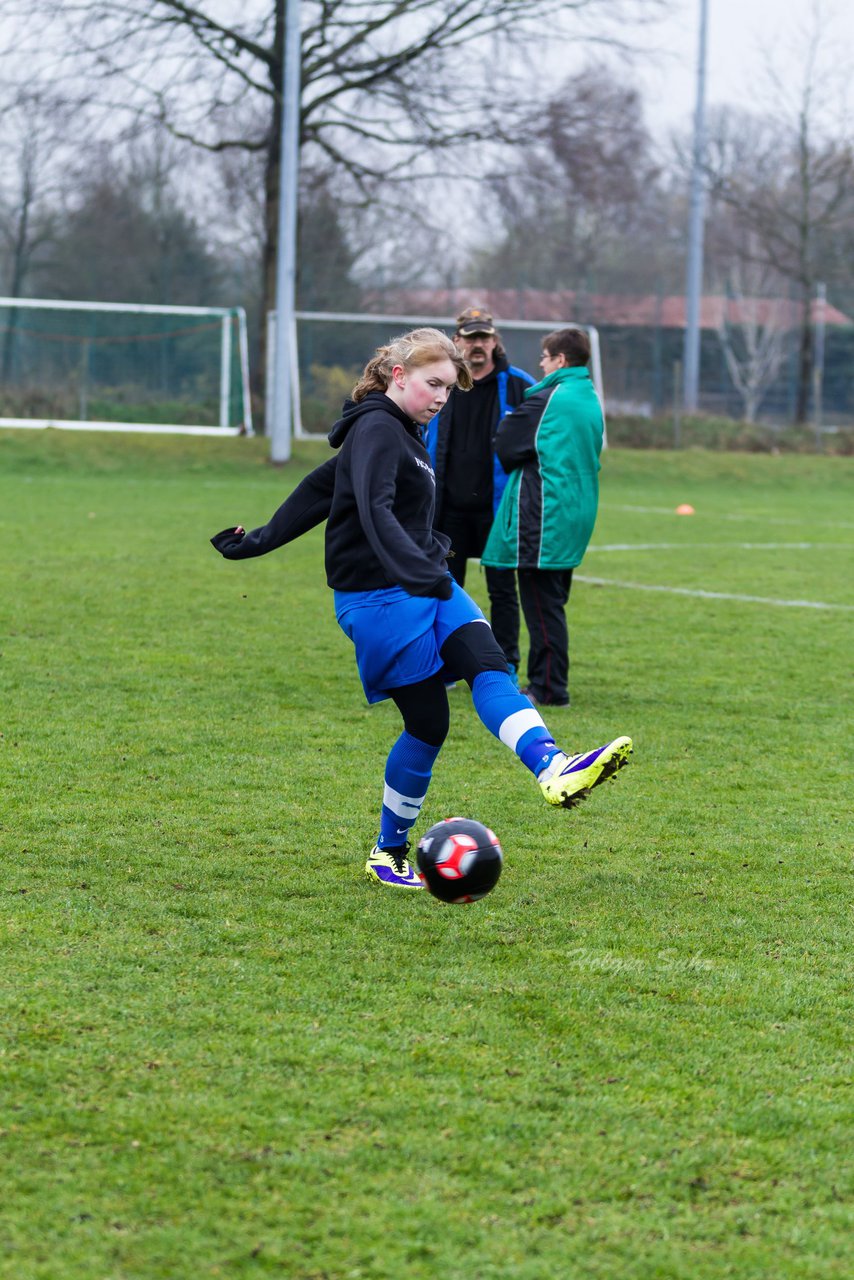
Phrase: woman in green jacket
pixel 551 446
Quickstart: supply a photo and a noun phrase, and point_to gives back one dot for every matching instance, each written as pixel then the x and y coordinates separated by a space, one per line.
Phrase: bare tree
pixel 127 234
pixel 28 215
pixel 788 178
pixel 582 187
pixel 382 80
pixel 753 331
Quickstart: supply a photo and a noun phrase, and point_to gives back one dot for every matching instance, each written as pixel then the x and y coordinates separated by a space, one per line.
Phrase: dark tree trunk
pixel 805 234
pixel 805 358
pixel 19 271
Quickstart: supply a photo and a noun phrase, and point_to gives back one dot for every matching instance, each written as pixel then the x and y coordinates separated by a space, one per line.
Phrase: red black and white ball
pixel 459 860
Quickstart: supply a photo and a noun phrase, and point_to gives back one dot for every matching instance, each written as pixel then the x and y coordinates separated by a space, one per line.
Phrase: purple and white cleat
pixel 567 780
pixel 391 867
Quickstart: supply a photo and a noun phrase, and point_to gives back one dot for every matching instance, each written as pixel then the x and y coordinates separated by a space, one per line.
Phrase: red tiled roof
pixel 566 305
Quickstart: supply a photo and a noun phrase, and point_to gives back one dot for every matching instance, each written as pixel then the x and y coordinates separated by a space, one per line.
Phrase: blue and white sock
pixel 407 777
pixel 510 716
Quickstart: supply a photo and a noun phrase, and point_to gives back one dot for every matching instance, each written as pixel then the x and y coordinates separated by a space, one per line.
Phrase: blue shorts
pixel 398 636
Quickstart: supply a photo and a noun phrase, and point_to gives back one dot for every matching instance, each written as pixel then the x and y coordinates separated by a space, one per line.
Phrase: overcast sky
pixel 742 34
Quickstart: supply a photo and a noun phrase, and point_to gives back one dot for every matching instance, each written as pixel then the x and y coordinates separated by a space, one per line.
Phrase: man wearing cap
pixel 469 478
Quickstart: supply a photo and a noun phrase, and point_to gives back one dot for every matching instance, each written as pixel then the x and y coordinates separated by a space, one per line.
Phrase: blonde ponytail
pixel 411 350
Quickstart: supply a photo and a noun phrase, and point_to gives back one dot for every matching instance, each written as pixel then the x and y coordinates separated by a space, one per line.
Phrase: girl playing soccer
pixel 414 629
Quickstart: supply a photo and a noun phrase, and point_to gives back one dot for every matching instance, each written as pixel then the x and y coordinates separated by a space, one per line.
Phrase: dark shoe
pixel 543 702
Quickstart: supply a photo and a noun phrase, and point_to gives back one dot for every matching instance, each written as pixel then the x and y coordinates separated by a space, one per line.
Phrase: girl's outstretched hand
pixel 228 539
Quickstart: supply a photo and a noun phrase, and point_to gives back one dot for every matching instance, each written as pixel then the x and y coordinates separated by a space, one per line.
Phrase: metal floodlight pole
pixel 286 257
pixel 694 271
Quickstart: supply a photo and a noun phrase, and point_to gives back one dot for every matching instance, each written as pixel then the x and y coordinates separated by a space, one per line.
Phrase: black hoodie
pixel 378 495
pixel 380 528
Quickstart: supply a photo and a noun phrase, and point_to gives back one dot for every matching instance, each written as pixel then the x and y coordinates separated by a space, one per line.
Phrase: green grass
pixel 225 1054
pixel 706 432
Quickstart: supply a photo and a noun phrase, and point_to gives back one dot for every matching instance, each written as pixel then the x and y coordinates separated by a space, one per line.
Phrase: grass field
pixel 223 1053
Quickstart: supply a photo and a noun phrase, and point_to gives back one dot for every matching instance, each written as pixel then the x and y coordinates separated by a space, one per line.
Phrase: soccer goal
pixel 330 348
pixel 117 366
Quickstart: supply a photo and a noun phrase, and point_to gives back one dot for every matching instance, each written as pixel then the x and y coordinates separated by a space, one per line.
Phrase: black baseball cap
pixel 475 320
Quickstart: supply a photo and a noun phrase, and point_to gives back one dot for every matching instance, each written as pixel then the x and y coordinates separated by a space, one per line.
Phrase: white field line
pixel 711 595
pixel 730 515
pixel 127 428
pixel 738 546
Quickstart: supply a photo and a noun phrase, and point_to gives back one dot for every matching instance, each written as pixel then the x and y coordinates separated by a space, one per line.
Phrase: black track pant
pixel 468 531
pixel 544 594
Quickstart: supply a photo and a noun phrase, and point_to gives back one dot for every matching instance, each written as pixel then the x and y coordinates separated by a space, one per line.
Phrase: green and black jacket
pixel 551 446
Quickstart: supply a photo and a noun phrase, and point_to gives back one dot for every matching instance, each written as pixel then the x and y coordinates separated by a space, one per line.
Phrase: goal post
pixel 121 366
pixel 355 335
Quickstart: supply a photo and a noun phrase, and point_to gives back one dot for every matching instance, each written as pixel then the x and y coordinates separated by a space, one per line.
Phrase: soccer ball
pixel 459 860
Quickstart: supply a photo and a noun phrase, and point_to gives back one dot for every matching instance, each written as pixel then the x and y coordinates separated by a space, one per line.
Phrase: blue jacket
pixel 512 385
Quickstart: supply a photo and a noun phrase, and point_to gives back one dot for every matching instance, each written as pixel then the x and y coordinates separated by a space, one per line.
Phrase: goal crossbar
pixel 410 322
pixel 229 317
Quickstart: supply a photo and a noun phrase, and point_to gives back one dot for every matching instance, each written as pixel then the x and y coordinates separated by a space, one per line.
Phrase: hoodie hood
pixel 353 411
